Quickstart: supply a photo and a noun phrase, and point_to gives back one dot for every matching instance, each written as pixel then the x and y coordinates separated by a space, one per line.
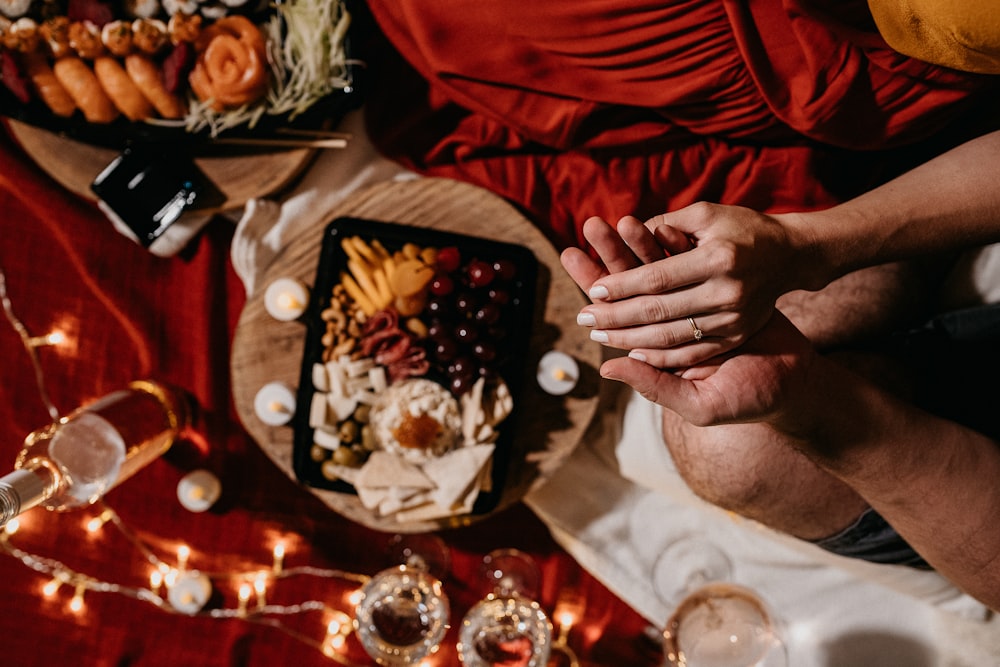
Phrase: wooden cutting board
pixel 547 429
pixel 238 174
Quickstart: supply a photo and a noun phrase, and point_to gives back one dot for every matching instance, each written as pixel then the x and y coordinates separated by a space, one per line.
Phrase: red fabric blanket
pixel 573 108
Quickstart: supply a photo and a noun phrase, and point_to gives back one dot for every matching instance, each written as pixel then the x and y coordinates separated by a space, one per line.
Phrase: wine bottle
pixel 74 461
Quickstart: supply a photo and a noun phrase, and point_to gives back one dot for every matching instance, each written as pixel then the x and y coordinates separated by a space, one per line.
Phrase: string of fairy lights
pixel 175 587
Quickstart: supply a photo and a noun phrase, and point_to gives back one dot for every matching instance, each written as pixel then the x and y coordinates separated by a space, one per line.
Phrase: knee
pixel 716 468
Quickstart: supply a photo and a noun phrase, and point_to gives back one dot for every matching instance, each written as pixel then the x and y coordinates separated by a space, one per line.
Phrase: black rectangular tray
pixel 516 324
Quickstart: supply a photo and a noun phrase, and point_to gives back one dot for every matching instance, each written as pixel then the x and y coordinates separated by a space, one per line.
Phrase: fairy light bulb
pixel 55 337
pixel 11 527
pixel 76 604
pixel 279 557
pixel 155 581
pixel 50 588
pixel 260 588
pixel 244 596
pixel 183 554
pixel 97 522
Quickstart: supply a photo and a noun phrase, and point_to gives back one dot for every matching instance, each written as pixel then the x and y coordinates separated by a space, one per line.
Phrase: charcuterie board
pixel 546 429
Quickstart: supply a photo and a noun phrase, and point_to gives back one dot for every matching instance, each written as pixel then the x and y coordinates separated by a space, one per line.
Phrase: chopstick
pixel 318 134
pixel 285 143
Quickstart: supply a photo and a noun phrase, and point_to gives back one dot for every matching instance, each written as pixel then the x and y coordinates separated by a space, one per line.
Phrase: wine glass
pixel 402 616
pixel 507 627
pixel 715 622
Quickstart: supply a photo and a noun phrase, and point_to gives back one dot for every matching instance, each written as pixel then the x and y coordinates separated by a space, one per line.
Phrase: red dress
pixel 572 108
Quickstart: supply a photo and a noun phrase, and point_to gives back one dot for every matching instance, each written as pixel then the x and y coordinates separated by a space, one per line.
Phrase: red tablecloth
pixel 129 315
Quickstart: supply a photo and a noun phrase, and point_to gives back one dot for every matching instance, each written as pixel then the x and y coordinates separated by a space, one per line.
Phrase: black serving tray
pixel 512 348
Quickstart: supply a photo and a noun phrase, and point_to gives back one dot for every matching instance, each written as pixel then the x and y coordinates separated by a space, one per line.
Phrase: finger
pixel 653 336
pixel 671 239
pixel 684 356
pixel 640 240
pixel 581 267
pixel 689 220
pixel 655 385
pixel 608 245
pixel 668 274
pixel 644 309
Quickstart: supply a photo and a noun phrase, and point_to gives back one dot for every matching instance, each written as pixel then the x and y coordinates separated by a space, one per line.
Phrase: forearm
pixel 936 482
pixel 949 203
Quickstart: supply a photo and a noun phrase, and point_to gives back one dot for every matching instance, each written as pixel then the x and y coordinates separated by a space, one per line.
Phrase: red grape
pixel 480 273
pixel 466 333
pixel 505 268
pixel 441 285
pixel 489 313
pixel 449 259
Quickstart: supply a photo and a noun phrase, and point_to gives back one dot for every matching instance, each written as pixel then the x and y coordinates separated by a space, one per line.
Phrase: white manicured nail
pixel 586 320
pixel 599 336
pixel 638 356
pixel 598 292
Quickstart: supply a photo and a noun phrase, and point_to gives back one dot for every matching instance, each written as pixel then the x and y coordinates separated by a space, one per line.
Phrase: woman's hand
pixel 688 285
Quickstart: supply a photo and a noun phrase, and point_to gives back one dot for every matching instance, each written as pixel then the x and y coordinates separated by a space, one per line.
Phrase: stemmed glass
pixel 715 622
pixel 507 627
pixel 403 613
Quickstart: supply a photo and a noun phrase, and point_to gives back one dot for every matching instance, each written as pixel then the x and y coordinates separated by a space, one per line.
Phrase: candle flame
pixel 288 301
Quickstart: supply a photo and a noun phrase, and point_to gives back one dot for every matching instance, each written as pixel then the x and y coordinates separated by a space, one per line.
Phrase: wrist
pixel 812 252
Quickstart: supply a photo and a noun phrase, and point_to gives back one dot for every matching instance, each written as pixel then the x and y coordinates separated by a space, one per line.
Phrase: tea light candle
pixel 286 299
pixel 557 373
pixel 190 592
pixel 198 490
pixel 275 404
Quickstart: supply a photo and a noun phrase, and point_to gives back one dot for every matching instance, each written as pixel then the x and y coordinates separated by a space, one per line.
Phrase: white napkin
pixel 266 225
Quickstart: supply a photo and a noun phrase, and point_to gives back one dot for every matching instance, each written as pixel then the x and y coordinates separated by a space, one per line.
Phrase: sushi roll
pixel 149 35
pixel 22 35
pixel 117 37
pixel 85 39
pixel 55 34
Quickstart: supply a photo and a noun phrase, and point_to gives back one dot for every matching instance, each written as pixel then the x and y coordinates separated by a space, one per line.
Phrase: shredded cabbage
pixel 305 48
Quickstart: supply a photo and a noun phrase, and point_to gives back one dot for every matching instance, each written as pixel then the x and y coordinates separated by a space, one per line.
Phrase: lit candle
pixel 286 299
pixel 557 373
pixel 275 404
pixel 198 490
pixel 189 592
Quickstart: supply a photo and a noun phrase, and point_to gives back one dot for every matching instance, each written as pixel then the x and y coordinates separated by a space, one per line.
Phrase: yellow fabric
pixel 961 34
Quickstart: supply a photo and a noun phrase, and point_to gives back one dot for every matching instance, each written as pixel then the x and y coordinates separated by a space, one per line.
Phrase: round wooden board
pixel 239 175
pixel 547 428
